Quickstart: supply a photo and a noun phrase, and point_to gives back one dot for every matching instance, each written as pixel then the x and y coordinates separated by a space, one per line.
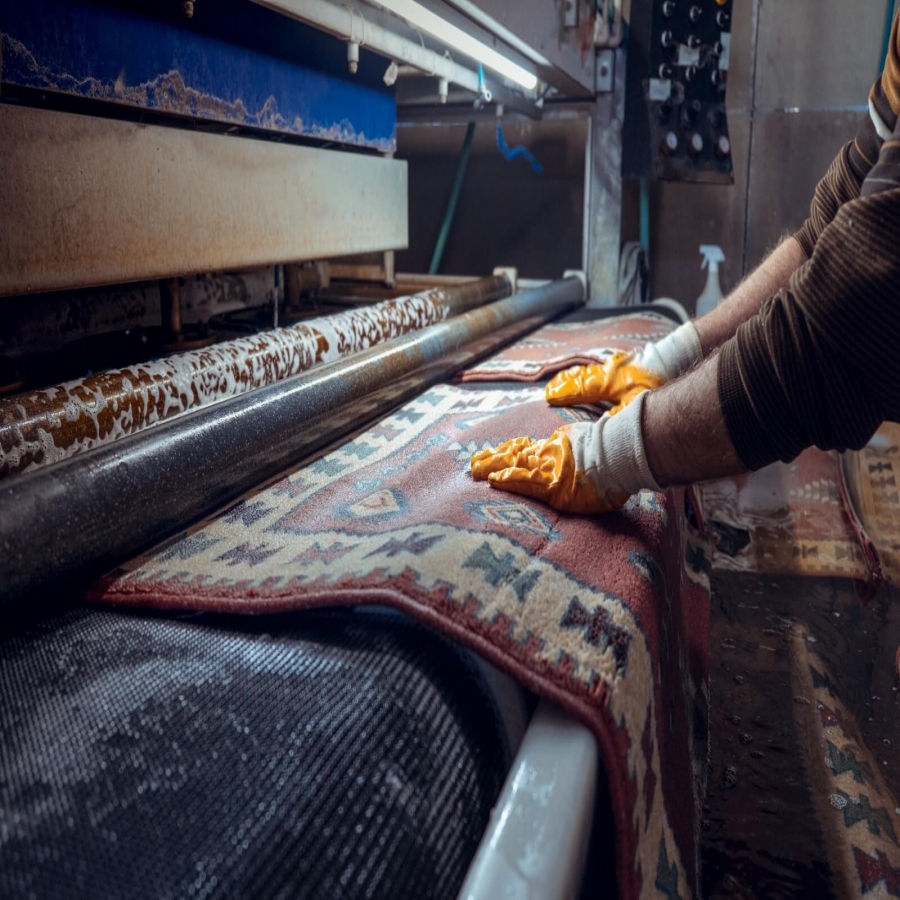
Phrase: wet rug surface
pixel 786 519
pixel 322 755
pixel 606 615
pixel 557 346
pixel 805 725
pixel 871 484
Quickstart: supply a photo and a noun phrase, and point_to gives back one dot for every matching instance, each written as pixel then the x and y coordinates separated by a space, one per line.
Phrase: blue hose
pixel 516 151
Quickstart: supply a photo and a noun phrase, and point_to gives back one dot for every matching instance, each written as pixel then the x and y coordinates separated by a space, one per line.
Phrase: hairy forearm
pixel 744 302
pixel 685 437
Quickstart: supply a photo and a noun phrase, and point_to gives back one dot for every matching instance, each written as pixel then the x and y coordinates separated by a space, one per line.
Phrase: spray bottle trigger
pixel 712 256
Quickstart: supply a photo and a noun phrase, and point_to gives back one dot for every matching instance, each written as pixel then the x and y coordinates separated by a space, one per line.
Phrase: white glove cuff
pixel 679 351
pixel 625 466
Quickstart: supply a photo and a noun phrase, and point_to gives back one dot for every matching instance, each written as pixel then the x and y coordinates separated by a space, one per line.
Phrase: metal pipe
pixel 410 278
pixel 51 425
pixel 618 32
pixel 350 25
pixel 886 43
pixel 70 523
pixel 645 215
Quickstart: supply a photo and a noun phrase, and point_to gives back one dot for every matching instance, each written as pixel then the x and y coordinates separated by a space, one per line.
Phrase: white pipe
pixel 537 840
pixel 350 25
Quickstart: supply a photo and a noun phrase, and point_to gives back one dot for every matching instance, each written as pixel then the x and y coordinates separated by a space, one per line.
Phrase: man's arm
pixel 841 184
pixel 685 436
pixel 684 348
pixel 818 366
pixel 745 301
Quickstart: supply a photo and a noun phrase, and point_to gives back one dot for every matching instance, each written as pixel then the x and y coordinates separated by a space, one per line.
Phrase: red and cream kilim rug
pixel 606 615
pixel 557 346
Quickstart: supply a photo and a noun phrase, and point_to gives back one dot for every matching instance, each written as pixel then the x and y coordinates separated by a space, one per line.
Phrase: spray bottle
pixel 712 293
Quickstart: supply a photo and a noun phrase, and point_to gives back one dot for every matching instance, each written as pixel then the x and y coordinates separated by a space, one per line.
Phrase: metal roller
pixel 56 423
pixel 70 523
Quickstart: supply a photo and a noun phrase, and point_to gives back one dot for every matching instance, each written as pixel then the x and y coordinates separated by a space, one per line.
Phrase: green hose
pixel 887 35
pixel 454 198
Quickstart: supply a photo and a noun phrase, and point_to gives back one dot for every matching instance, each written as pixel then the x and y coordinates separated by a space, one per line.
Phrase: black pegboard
pixel 676 125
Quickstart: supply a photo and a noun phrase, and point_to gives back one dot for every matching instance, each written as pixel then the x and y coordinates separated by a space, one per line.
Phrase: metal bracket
pixel 604 71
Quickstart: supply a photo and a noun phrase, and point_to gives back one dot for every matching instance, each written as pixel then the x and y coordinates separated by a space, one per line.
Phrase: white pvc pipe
pixel 350 24
pixel 536 843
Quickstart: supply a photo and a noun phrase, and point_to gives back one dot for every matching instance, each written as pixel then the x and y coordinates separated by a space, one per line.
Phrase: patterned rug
pixel 846 782
pixel 608 615
pixel 803 797
pixel 872 493
pixel 785 520
pixel 562 344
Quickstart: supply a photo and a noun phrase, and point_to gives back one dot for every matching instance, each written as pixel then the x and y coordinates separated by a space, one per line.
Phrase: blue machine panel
pixel 232 63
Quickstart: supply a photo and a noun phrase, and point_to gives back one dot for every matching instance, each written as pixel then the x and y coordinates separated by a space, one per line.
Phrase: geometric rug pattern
pixel 606 615
pixel 558 345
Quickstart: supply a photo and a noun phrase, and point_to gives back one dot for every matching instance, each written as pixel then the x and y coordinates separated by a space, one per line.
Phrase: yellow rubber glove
pixel 544 470
pixel 623 376
pixel 617 380
pixel 587 467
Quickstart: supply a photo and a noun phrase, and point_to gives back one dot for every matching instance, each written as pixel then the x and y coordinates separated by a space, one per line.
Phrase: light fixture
pixel 477 14
pixel 420 17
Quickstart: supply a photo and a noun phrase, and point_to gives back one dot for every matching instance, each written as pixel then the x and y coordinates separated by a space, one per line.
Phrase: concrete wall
pixel 507 214
pixel 800 78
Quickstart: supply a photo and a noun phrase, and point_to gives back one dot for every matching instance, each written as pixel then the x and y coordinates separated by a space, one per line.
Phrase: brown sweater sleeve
pixel 820 363
pixel 842 182
pixel 840 185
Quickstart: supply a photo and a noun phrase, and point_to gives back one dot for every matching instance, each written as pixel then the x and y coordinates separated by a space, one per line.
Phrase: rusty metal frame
pixel 603 191
pixel 87 201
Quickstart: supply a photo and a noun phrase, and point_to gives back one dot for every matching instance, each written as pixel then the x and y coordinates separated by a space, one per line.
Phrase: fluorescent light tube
pixel 420 17
pixel 477 14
